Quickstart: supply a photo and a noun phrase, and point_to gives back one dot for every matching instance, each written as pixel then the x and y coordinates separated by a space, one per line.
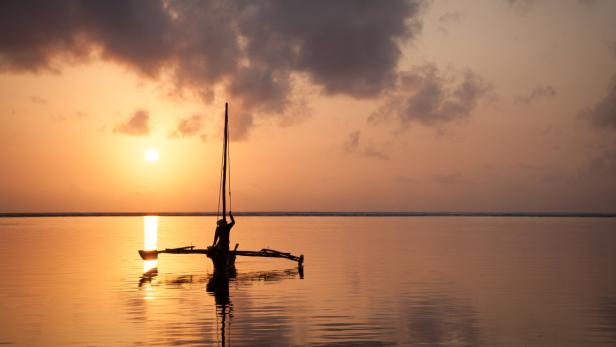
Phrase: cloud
pixel 37 33
pixel 239 125
pixel 450 178
pixel 353 142
pixel 603 164
pixel 539 93
pixel 588 3
pixel 612 47
pixel 450 17
pixel 190 126
pixel 82 114
pixel 353 146
pixel 521 6
pixel 38 100
pixel 603 113
pixel 78 115
pixel 137 125
pixel 426 96
pixel 447 18
pixel 344 47
pixel 262 88
pixel 253 51
pixel 407 179
pixel 536 167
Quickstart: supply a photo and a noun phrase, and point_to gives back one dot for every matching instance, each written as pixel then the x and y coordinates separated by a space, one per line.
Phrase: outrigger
pixel 223 260
pixel 265 252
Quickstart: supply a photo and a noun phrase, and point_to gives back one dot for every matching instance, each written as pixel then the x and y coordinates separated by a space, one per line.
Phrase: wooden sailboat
pixel 223 260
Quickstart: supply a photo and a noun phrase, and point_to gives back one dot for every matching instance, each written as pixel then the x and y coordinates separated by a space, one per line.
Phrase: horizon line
pixel 316 214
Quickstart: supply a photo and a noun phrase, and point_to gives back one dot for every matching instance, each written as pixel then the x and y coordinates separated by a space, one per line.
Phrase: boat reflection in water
pixel 150 238
pixel 218 287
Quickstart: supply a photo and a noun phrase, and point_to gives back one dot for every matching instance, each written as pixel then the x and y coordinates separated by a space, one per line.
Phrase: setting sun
pixel 152 155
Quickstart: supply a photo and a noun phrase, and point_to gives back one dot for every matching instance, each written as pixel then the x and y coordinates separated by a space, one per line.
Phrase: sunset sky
pixel 334 105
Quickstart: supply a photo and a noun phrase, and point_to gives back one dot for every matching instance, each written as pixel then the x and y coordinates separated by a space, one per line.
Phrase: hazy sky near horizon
pixel 335 105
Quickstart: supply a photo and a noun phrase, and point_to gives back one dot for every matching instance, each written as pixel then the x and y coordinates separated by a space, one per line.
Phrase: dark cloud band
pixel 252 48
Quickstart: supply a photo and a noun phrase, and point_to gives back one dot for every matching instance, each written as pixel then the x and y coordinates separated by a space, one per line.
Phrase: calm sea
pixel 459 281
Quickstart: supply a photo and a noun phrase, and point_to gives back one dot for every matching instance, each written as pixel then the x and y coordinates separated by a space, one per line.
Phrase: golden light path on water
pixel 150 239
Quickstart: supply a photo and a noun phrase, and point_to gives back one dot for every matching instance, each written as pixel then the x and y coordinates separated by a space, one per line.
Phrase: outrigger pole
pixel 265 252
pixel 222 260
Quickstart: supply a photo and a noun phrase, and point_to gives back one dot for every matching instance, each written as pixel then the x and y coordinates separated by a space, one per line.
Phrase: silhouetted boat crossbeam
pixel 265 252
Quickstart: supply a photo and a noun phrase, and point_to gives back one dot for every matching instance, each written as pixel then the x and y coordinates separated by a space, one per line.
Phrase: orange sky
pixel 443 106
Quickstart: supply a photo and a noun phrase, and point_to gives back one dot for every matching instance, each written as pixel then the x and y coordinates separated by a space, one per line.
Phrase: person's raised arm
pixel 215 237
pixel 232 220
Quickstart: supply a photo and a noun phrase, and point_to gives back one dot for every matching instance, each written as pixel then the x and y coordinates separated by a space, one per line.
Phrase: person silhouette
pixel 221 236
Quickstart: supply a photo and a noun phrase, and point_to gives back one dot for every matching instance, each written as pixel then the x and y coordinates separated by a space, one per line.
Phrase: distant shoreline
pixel 312 214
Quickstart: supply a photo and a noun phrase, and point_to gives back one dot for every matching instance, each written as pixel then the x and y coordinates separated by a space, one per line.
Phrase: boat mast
pixel 224 164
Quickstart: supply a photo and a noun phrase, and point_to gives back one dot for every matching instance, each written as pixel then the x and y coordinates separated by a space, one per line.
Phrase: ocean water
pixel 374 281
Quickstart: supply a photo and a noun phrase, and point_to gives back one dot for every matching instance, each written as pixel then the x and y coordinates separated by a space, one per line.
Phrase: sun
pixel 151 155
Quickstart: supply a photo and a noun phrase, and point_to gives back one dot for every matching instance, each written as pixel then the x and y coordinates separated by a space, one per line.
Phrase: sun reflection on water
pixel 150 238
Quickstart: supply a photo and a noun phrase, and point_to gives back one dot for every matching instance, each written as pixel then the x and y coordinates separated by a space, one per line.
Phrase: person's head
pixel 221 222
